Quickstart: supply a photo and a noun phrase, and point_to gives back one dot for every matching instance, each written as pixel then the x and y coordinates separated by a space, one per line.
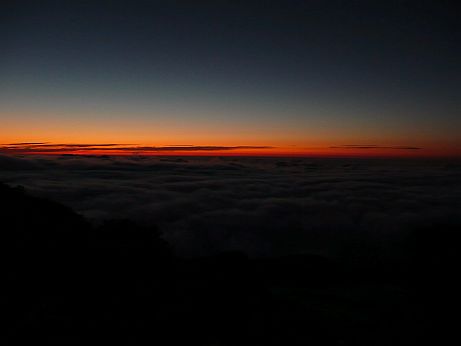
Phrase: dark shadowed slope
pixel 68 283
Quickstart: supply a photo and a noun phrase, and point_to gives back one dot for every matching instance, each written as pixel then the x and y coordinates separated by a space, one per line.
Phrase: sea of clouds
pixel 263 206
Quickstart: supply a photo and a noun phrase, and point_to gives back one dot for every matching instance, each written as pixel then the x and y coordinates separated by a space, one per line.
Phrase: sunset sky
pixel 301 78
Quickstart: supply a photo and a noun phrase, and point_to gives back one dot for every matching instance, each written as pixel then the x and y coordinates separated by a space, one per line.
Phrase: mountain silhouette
pixel 68 282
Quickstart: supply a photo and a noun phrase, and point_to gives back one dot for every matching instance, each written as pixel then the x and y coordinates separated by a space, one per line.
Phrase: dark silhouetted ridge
pixel 66 282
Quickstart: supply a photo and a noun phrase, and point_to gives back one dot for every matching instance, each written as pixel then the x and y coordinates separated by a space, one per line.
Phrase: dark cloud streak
pixel 44 148
pixel 373 146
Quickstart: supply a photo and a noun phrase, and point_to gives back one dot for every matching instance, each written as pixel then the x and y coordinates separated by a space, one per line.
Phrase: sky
pixel 274 78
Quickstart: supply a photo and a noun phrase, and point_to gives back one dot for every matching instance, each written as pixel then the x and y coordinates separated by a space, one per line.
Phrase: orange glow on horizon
pixel 46 148
pixel 279 138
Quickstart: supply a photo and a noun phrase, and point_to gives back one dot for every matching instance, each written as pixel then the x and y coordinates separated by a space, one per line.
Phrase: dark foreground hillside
pixel 66 282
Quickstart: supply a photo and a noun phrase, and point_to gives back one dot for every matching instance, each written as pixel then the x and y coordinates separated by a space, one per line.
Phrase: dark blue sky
pixel 302 72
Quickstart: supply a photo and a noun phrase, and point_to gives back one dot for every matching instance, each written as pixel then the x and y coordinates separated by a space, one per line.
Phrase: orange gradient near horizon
pixel 222 150
pixel 250 138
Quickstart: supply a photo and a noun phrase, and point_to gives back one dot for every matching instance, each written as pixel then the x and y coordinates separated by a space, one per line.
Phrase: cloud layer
pixel 109 148
pixel 259 205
